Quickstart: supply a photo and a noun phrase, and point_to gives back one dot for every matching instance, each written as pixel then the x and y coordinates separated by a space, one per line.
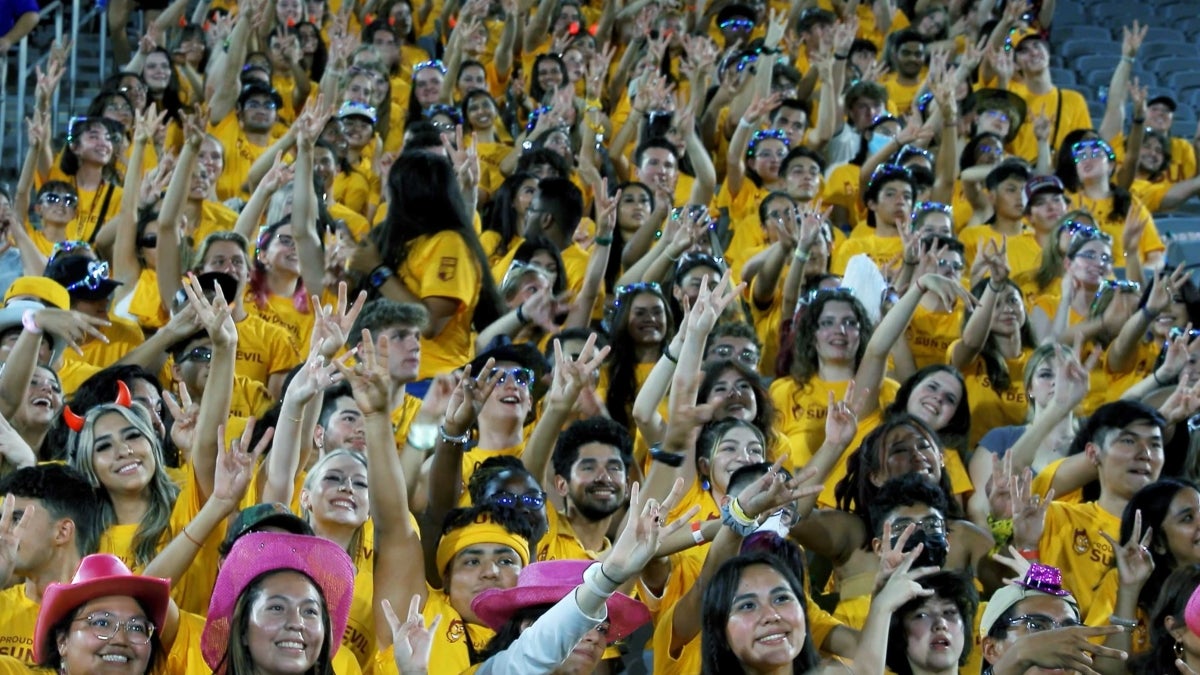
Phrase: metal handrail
pixel 24 71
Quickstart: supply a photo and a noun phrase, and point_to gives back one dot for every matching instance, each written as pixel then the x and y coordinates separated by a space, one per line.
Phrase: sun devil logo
pixel 1081 541
pixel 455 630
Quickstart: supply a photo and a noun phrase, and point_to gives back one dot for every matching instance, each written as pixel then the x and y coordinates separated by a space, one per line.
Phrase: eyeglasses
pixel 530 500
pixel 1090 149
pixel 517 268
pixel 699 259
pixel 839 293
pixel 436 64
pixel 196 354
pixel 148 241
pixel 104 626
pixel 52 198
pixel 1102 259
pixel 952 265
pixel 736 24
pixel 258 104
pixel 931 525
pixel 1040 623
pixel 97 274
pixel 747 355
pixel 522 376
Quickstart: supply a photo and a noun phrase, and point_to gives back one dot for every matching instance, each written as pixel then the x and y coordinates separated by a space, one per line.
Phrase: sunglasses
pixel 522 376
pixel 96 275
pixel 1090 150
pixel 529 500
pixel 640 287
pixel 1084 233
pixel 69 246
pixel 840 293
pixel 52 198
pixel 736 24
pixel 203 354
pixel 517 268
pixel 1114 286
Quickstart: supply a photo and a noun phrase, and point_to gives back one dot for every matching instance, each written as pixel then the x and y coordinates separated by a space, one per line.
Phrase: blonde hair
pixel 310 483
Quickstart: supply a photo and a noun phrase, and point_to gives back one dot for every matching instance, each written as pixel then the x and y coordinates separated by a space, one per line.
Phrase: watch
pixel 672 459
pixel 379 276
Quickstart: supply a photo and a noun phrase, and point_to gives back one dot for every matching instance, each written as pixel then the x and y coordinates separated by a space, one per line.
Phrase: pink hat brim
pixel 496 606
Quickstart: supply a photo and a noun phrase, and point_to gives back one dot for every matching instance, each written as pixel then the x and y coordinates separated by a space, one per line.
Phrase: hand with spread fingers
pixel 412 639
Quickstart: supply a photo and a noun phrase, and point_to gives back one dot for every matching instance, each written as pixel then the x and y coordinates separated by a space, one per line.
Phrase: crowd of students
pixel 498 336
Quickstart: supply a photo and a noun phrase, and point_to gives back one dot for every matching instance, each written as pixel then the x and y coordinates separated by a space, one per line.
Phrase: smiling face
pixel 734 396
pixel 1009 313
pixel 44 400
pixel 481 113
pixel 1151 157
pixel 476 569
pixel 935 399
pixel 92 144
pixel 1180 528
pixel 510 401
pixel 286 626
pixel 596 486
pixel 1091 264
pixel 122 457
pixel 766 626
pixel 906 449
pixel 935 636
pixel 82 652
pixel 1160 117
pixel 157 72
pixel 280 256
pixel 338 493
pixel 647 319
pixel 1032 56
pixel 1129 458
pixel 549 75
pixel 739 446
pixel 838 332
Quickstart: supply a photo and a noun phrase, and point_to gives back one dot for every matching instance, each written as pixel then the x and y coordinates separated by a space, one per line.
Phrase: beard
pixel 594 510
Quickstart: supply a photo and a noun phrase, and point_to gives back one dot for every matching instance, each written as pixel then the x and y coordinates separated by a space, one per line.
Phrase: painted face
pixel 767 625
pixel 122 457
pixel 935 399
pixel 340 494
pixel 286 630
pixel 83 652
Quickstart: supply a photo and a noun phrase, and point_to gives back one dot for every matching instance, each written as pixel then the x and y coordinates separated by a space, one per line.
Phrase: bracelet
pixel 994 289
pixel 1154 374
pixel 1122 621
pixel 604 241
pixel 521 315
pixel 743 123
pixel 910 263
pixel 1150 315
pixel 1139 120
pixel 29 322
pixel 1127 59
pixel 671 459
pixel 297 420
pixel 735 508
pixel 608 578
pixel 187 536
pixel 666 352
pixel 920 287
pixel 1029 553
pixel 841 57
pixel 453 440
pixel 743 527
pixel 800 255
pixel 597 582
pixel 698 534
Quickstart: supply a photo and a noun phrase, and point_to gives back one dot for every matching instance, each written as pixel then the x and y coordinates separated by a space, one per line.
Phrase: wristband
pixel 453 440
pixel 671 459
pixel 379 276
pixel 698 534
pixel 1150 315
pixel 800 255
pixel 422 436
pixel 1139 120
pixel 994 289
pixel 521 315
pixel 189 538
pixel 920 287
pixel 604 241
pixel 742 527
pixel 841 57
pixel 1122 621
pixel 29 322
pixel 735 508
pixel 743 123
pixel 667 353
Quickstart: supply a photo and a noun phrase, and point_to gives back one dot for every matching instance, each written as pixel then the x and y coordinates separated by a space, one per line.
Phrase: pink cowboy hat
pixel 545 583
pixel 259 553
pixel 98 576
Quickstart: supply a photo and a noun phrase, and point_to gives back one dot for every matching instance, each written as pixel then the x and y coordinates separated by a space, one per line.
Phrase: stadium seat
pixel 1063 77
pixel 1087 32
pixel 1153 51
pixel 1159 34
pixel 1077 48
pixel 1180 80
pixel 1178 228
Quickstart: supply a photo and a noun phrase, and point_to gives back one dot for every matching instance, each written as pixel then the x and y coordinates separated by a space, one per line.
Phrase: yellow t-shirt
pixel 18 619
pixel 901 96
pixel 94 208
pixel 842 189
pixel 359 638
pixel 1071 542
pixel 264 348
pixel 282 312
pixel 1150 193
pixel 353 190
pixel 802 411
pixel 40 242
pixel 1183 159
pixel 146 305
pixel 561 543
pixel 1074 115
pixel 989 408
pixel 1024 253
pixel 883 251
pixel 441 266
pixel 214 217
pixel 402 419
pixel 767 323
pixel 240 154
pixel 688 661
pixel 931 333
pixel 1101 209
pixel 123 337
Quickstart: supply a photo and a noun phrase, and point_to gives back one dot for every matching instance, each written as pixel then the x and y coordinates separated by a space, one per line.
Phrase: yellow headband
pixel 487 532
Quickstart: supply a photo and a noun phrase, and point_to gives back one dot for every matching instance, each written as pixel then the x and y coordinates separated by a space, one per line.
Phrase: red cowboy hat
pixel 545 583
pixel 99 575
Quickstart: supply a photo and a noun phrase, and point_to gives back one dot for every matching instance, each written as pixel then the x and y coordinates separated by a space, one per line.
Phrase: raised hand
pixel 1071 378
pixel 147 123
pixel 412 639
pixel 1132 38
pixel 468 398
pixel 369 377
pixel 902 585
pixel 999 487
pixel 1134 562
pixel 947 290
pixel 184 413
pixel 841 424
pixel 332 325
pixel 314 376
pixel 772 491
pixel 571 376
pixel 74 327
pixel 759 108
pixel 644 528
pixel 892 555
pixel 12 529
pixel 712 302
pixel 235 466
pixel 1029 511
pixel 214 315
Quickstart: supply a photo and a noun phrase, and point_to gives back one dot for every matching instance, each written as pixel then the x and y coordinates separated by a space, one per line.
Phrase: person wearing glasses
pixel 1068 314
pixel 1085 165
pixel 1170 302
pixel 246 136
pixel 1035 623
pixel 1047 278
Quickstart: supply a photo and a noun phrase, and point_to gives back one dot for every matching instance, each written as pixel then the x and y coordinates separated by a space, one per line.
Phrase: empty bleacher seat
pixel 1087 32
pixel 1151 52
pixel 1161 33
pixel 1181 80
pixel 1178 228
pixel 1063 77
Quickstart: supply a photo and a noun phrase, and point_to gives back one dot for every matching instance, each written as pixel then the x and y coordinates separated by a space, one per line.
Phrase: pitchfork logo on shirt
pixel 447 269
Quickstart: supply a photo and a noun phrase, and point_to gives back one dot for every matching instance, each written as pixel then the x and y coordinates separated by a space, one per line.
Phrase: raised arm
pixel 304 196
pixel 285 461
pixel 217 320
pixel 126 267
pixel 223 96
pixel 170 272
pixel 735 165
pixel 1114 111
pixel 977 328
pixel 570 378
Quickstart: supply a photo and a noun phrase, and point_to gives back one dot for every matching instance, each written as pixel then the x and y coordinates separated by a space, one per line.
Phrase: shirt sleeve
pixel 449 271
pixel 546 643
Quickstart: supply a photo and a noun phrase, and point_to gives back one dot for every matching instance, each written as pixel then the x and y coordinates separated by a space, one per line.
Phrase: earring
pixel 1178 647
pixel 705 485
